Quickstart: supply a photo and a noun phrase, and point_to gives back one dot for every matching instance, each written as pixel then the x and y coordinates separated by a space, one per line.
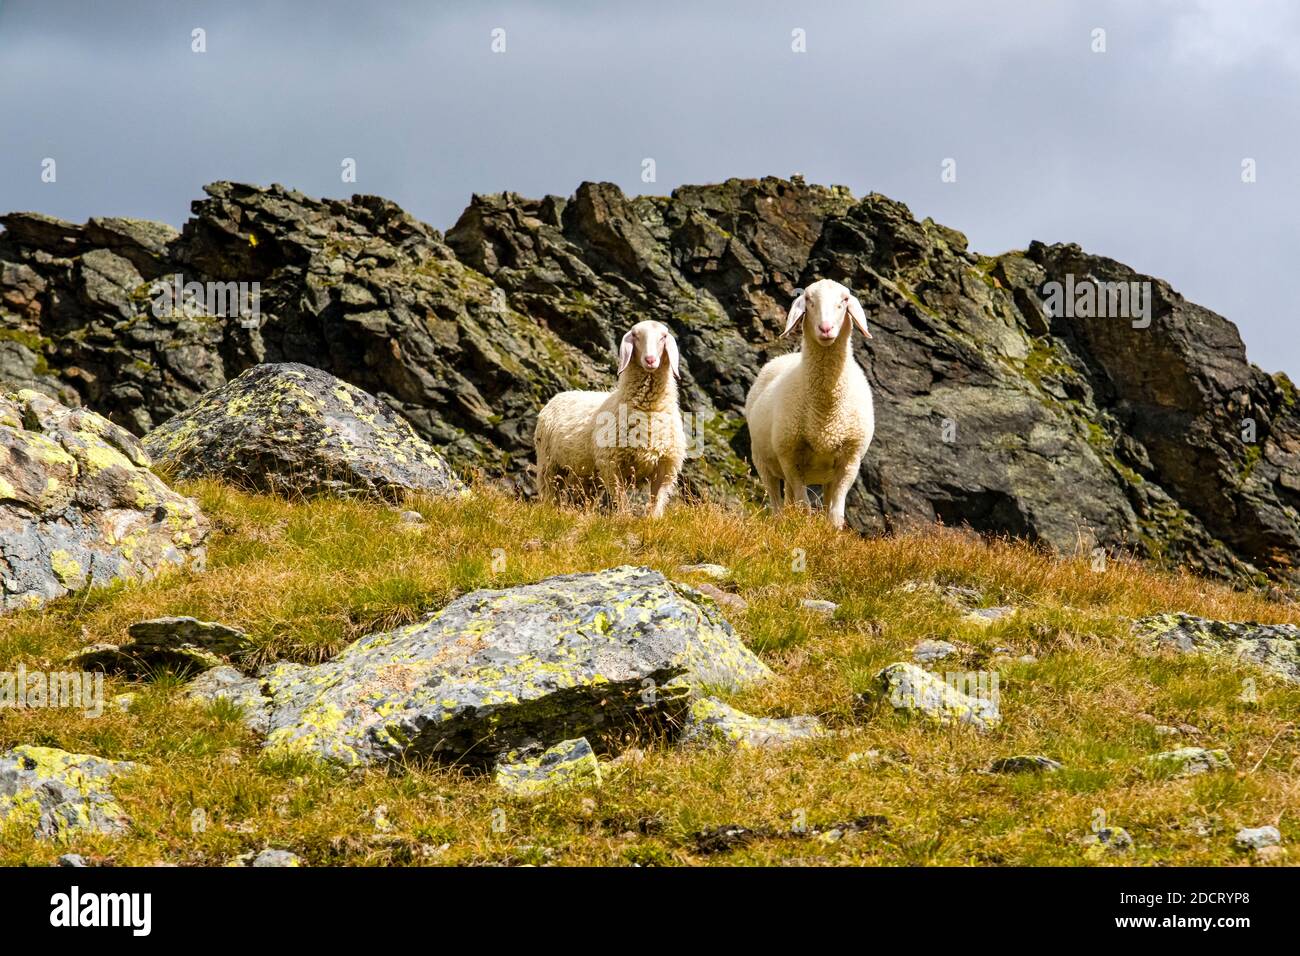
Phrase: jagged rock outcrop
pixel 79 505
pixel 996 406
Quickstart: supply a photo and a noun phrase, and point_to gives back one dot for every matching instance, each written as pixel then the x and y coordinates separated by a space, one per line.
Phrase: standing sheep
pixel 810 414
pixel 618 439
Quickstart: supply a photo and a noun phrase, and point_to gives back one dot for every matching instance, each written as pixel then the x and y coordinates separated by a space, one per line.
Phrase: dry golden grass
pixel 306 578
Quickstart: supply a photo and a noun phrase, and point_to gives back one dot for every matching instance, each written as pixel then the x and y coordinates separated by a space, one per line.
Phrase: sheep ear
pixel 796 313
pixel 859 317
pixel 625 352
pixel 674 360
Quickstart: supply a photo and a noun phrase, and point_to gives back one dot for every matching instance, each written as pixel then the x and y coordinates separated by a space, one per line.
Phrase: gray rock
pixel 79 506
pixel 569 656
pixel 1025 763
pixel 1189 761
pixel 57 793
pixel 227 683
pixel 168 632
pixel 294 429
pixel 907 687
pixel 570 763
pixel 1108 840
pixel 1256 838
pixel 276 858
pixel 1273 647
pixel 822 607
pixel 72 859
pixel 411 517
pixel 715 571
pixel 989 615
pixel 711 723
pixel 929 651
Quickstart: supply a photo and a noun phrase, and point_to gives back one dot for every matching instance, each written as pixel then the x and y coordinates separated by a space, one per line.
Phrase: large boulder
pixel 580 655
pixel 79 505
pixel 57 793
pixel 1274 647
pixel 295 429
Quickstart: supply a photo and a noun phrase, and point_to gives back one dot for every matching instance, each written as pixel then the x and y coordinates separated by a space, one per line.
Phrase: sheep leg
pixel 615 488
pixel 661 486
pixel 837 490
pixel 796 492
pixel 772 483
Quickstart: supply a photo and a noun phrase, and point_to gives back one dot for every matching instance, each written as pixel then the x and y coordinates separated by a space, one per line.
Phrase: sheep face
pixel 824 308
pixel 651 345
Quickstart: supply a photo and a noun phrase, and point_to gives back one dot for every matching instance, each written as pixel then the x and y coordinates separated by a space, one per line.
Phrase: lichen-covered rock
pixel 178 631
pixel 57 793
pixel 909 688
pixel 226 683
pixel 79 506
pixel 574 655
pixel 1025 763
pixel 570 763
pixel 292 428
pixel 1106 842
pixel 179 644
pixel 1274 647
pixel 1256 838
pixel 711 723
pixel 1189 762
pixel 928 651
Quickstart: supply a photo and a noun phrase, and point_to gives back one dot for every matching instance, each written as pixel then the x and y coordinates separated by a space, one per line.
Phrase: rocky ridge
pixel 989 406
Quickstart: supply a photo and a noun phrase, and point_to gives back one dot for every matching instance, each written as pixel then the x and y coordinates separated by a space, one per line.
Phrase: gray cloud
pixel 1134 153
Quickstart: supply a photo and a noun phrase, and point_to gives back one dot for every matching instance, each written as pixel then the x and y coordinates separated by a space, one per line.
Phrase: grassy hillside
pixel 306 578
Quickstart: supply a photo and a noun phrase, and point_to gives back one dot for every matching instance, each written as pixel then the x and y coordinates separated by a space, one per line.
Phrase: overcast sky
pixel 1135 152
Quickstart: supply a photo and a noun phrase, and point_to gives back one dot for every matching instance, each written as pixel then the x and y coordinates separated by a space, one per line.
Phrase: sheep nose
pixel 824 328
pixel 651 361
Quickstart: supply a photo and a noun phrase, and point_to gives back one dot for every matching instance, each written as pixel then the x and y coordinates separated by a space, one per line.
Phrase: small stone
pixel 1189 761
pixel 1164 730
pixel 710 722
pixel 1270 854
pixel 570 763
pixel 821 607
pixel 72 859
pixel 1108 840
pixel 715 571
pixel 123 702
pixel 276 858
pixel 984 616
pixel 1256 838
pixel 909 688
pixel 724 598
pixel 1023 763
pixel 1027 659
pixel 928 651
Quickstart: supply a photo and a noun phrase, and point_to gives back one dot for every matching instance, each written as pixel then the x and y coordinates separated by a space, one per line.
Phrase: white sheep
pixel 810 414
pixel 619 439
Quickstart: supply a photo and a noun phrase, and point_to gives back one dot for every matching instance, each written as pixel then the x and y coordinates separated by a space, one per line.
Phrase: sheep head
pixel 649 343
pixel 823 307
